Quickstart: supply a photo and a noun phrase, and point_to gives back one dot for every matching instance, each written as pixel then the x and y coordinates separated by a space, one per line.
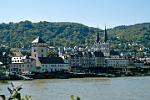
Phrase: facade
pixel 39 48
pixel 23 65
pixel 138 63
pixel 83 59
pixel 113 62
pixel 99 59
pixel 51 64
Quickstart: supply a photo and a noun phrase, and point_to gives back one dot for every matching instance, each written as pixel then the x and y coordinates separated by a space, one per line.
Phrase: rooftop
pixel 38 40
pixel 51 60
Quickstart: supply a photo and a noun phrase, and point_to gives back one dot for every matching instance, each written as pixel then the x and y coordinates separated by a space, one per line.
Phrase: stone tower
pixel 39 48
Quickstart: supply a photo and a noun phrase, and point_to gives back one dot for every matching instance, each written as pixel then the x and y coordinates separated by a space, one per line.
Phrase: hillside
pixel 131 37
pixel 63 33
pixel 69 34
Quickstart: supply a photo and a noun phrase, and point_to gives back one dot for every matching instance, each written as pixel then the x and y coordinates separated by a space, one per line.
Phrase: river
pixel 123 88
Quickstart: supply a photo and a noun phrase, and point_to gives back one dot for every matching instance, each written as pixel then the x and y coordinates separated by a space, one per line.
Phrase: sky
pixel 94 13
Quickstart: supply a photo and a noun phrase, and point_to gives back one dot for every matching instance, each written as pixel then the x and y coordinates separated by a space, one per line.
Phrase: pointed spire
pixel 97 36
pixel 105 33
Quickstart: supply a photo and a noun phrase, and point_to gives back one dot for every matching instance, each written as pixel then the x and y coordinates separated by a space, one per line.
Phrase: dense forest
pixel 69 34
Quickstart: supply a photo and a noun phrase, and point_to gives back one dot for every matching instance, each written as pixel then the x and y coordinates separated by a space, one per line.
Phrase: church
pixel 102 46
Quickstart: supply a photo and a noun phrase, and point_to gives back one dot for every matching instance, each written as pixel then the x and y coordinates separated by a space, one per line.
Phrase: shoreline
pixel 72 76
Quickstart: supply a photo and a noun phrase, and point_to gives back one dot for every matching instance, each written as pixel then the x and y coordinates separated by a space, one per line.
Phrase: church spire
pixel 97 38
pixel 105 33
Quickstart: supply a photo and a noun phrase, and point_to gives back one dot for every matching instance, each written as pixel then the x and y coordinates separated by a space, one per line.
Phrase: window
pixel 35 55
pixel 34 50
pixel 42 50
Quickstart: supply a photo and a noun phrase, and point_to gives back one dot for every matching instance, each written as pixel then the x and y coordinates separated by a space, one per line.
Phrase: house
pixel 22 65
pixel 87 59
pixel 111 62
pixel 115 59
pixel 138 63
pixel 51 64
pixel 99 59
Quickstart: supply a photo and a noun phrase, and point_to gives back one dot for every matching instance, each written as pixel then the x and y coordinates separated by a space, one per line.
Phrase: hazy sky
pixel 89 12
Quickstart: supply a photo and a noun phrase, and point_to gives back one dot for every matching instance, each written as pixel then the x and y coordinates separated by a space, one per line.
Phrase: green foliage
pixel 15 94
pixel 73 97
pixel 20 35
pixel 64 33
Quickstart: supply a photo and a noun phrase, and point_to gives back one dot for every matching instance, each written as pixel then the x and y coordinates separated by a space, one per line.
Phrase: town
pixel 95 61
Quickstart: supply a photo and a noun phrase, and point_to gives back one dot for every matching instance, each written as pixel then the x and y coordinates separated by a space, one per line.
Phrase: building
pixel 105 45
pixel 102 46
pixel 51 64
pixel 43 62
pixel 39 48
pixel 99 59
pixel 22 65
pixel 115 60
pixel 6 59
pixel 87 59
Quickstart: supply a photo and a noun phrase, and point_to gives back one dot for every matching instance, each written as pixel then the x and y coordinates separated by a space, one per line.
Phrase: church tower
pixel 105 44
pixel 39 48
pixel 96 46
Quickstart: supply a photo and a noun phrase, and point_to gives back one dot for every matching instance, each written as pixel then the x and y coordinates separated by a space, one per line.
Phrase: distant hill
pixel 137 35
pixel 69 34
pixel 62 33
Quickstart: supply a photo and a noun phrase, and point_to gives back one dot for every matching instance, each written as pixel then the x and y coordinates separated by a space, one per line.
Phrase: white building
pixel 51 64
pixel 22 65
pixel 115 60
pixel 112 62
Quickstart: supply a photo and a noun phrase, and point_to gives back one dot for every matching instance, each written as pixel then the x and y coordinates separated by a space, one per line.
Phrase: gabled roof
pixel 51 60
pixel 38 40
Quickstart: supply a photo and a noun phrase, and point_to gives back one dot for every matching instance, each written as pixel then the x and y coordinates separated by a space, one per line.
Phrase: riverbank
pixel 102 72
pixel 67 75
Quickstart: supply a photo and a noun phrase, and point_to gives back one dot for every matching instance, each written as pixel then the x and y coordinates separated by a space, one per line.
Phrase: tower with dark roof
pixel 105 34
pixel 97 43
pixel 39 48
pixel 97 38
pixel 105 44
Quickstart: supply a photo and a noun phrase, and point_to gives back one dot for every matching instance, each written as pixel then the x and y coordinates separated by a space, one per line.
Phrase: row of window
pixel 20 65
pixel 49 70
pixel 53 65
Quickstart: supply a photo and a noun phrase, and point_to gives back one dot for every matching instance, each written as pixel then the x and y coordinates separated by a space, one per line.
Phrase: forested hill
pixel 61 33
pixel 68 34
pixel 138 34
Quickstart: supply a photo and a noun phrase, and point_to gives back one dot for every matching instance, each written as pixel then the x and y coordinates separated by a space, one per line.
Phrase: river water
pixel 124 88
